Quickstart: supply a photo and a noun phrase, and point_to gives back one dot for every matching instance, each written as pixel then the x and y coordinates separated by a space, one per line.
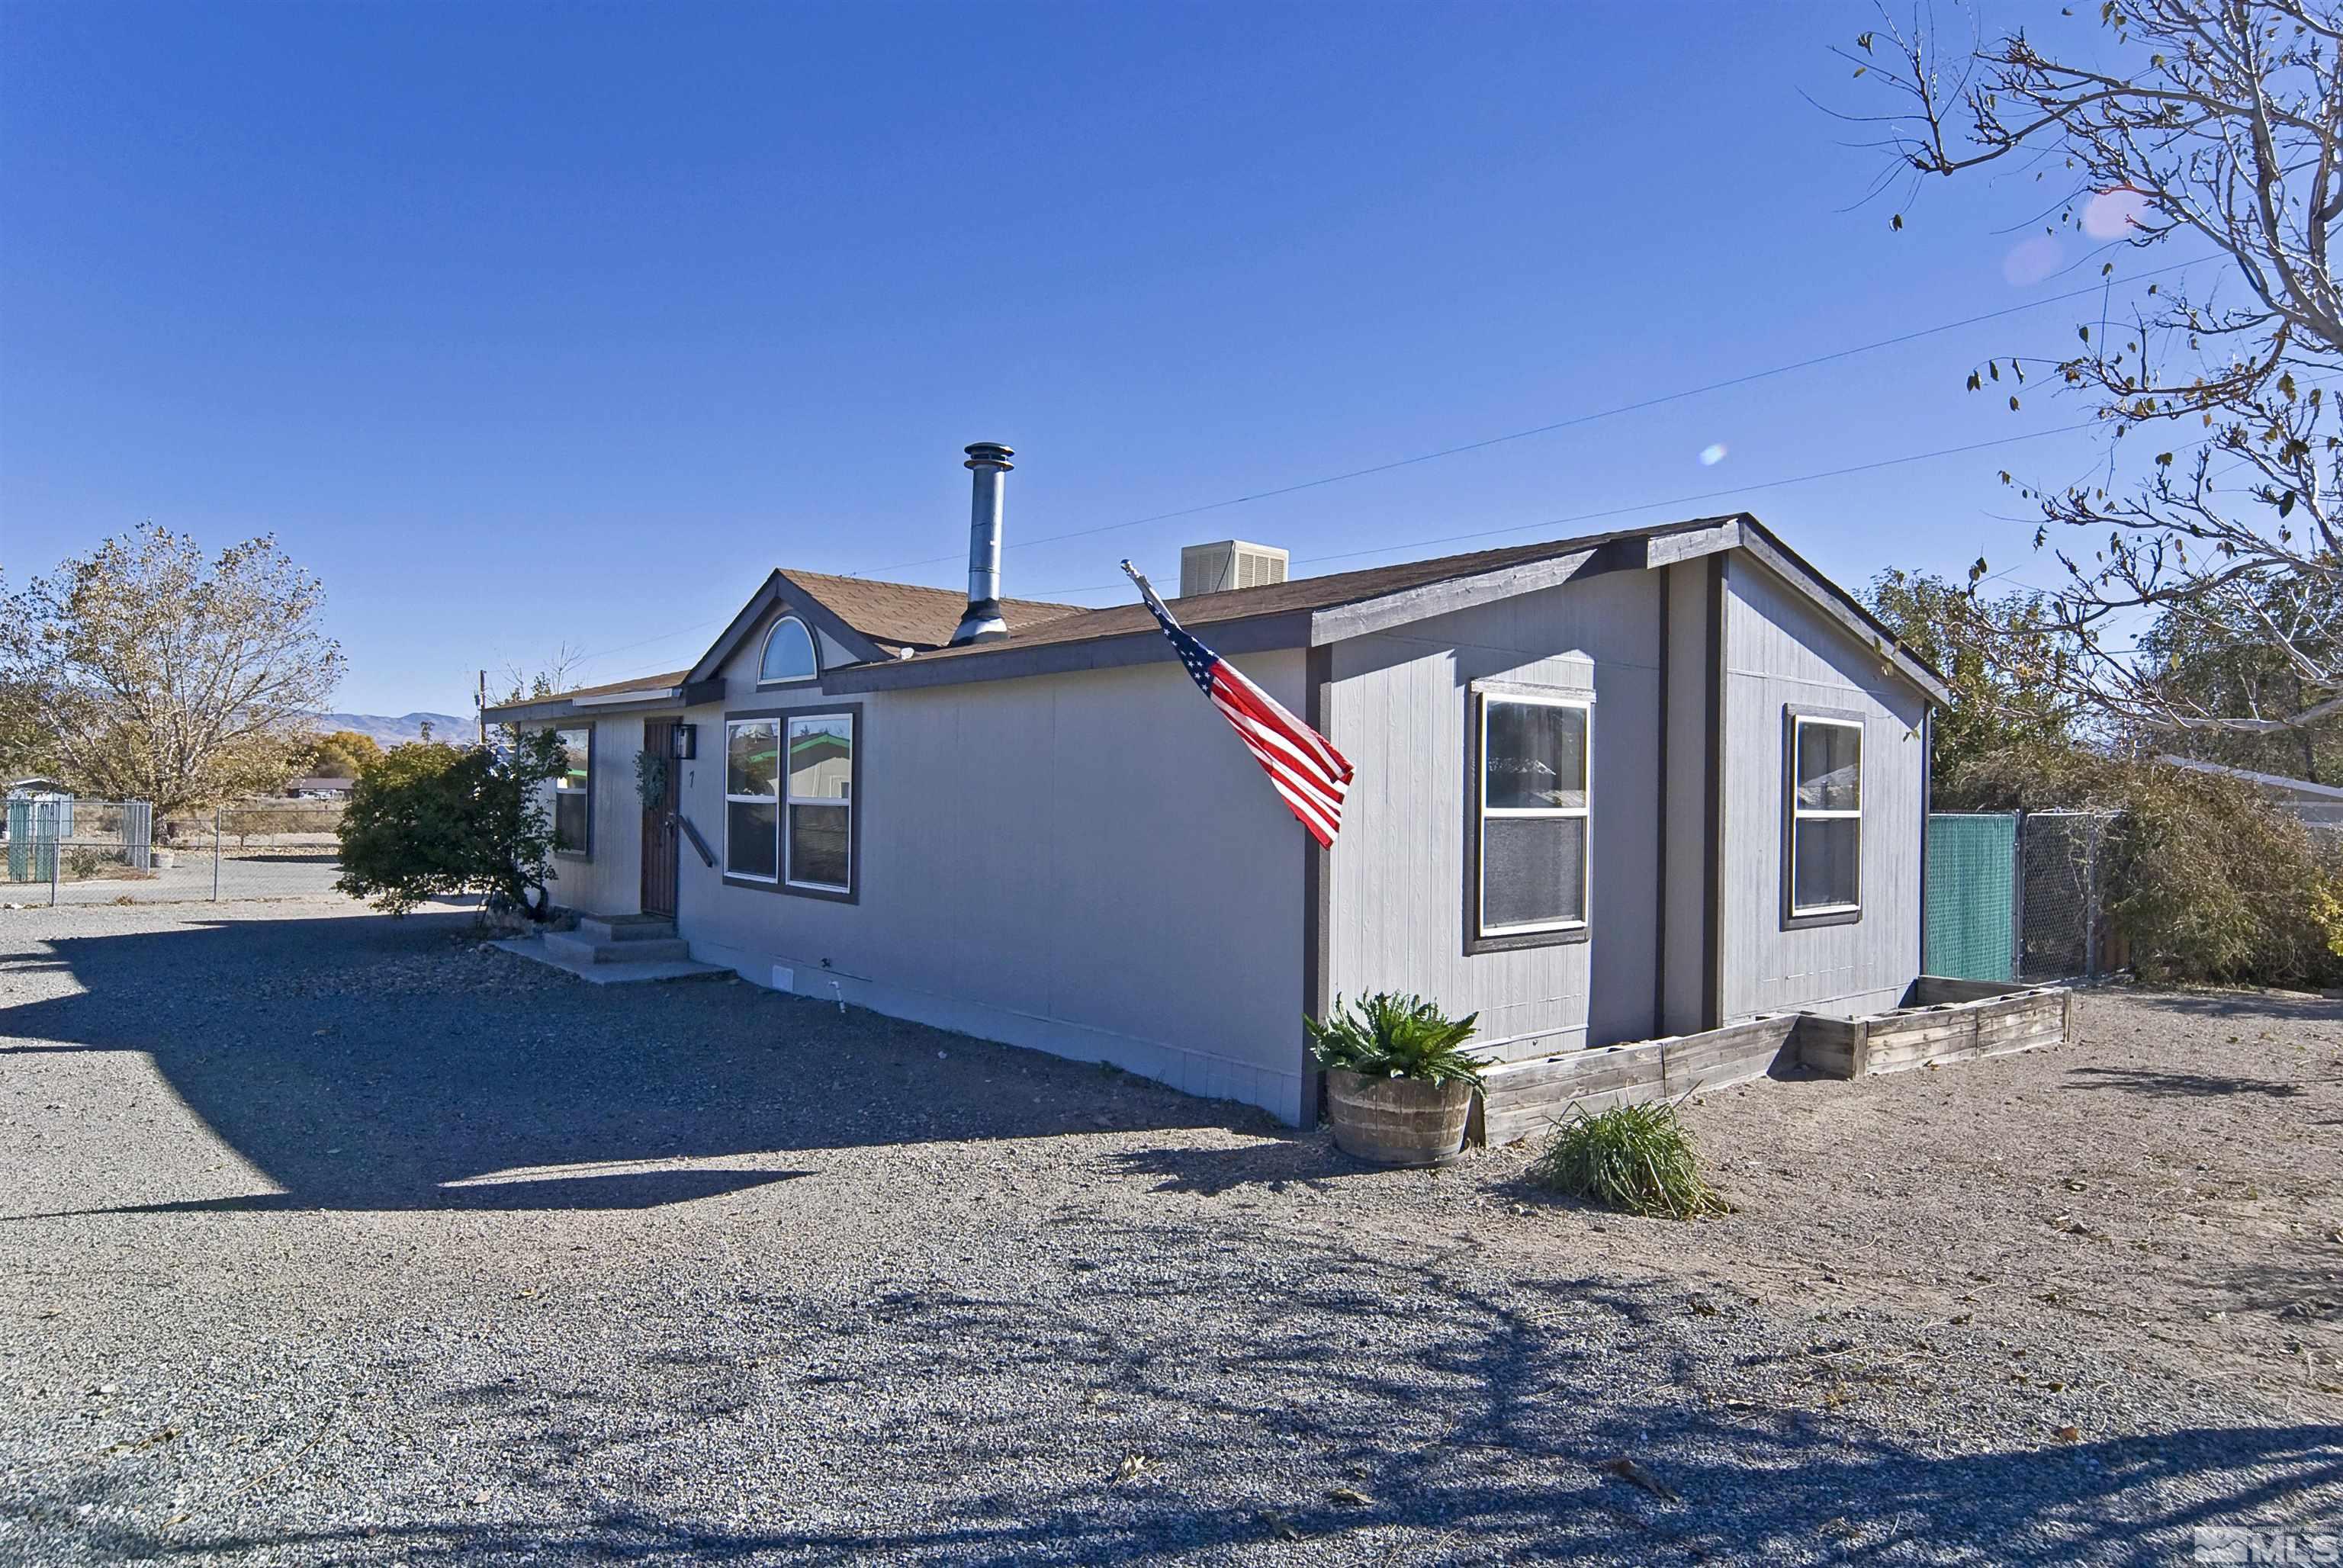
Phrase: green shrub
pixel 431 818
pixel 1638 1157
pixel 84 861
pixel 1390 1036
pixel 2205 879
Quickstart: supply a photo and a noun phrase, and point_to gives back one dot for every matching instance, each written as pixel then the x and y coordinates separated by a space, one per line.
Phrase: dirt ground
pixel 330 1237
pixel 2169 1186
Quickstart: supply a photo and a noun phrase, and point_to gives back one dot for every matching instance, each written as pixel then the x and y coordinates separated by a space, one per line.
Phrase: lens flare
pixel 1709 457
pixel 2031 261
pixel 2115 213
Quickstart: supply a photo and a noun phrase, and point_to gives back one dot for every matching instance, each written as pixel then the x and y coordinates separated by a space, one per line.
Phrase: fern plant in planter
pixel 1399 1085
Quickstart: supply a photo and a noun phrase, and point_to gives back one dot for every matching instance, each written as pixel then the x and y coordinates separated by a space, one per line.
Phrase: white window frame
pixel 1482 812
pixel 853 740
pixel 813 647
pixel 778 799
pixel 561 787
pixel 1801 813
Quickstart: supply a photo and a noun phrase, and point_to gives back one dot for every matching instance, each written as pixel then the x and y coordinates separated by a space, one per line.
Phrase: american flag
pixel 1303 765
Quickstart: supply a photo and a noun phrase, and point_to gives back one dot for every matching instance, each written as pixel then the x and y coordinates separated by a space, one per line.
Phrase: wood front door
pixel 659 828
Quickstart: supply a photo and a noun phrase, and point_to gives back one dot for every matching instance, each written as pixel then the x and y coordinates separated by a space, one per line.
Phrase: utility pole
pixel 480 704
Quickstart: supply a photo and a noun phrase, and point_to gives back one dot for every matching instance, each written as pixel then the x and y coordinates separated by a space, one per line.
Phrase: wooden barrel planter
pixel 1397 1120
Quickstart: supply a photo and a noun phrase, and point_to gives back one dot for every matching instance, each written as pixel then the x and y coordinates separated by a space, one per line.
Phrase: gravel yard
pixel 331 1238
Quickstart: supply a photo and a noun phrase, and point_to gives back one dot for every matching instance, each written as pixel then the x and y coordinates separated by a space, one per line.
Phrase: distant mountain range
pixel 388 733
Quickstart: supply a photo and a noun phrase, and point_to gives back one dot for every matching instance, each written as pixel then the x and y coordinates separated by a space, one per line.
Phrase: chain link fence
pixel 2016 896
pixel 2062 880
pixel 68 852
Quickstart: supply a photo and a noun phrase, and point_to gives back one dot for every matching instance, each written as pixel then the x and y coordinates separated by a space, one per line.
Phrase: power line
pixel 646 642
pixel 1576 419
pixel 1675 501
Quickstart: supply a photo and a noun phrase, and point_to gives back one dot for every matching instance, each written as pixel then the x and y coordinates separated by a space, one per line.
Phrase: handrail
pixel 705 857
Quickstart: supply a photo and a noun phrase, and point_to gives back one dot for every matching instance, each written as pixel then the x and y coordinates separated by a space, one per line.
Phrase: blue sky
pixel 526 325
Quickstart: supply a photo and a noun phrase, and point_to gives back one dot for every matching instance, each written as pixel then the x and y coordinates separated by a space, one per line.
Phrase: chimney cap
pixel 991 453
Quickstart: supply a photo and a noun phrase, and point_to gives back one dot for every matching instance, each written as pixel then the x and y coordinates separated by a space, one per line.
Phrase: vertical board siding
pixel 1086 864
pixel 1780 652
pixel 1396 891
pixel 610 881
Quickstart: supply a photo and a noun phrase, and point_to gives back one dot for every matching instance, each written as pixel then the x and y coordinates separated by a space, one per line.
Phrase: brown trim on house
pixel 1791 713
pixel 552 710
pixel 1927 800
pixel 852 892
pixel 1712 980
pixel 1259 633
pixel 778 590
pixel 1364 618
pixel 1317 932
pixel 1841 606
pixel 1660 845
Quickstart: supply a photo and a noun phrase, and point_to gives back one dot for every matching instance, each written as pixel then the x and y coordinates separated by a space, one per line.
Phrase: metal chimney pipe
pixel 987 462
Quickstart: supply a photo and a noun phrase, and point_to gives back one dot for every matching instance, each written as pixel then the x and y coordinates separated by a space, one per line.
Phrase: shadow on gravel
pixel 1784 1503
pixel 2257 1007
pixel 1212 1172
pixel 364 1063
pixel 1467 1419
pixel 2164 1085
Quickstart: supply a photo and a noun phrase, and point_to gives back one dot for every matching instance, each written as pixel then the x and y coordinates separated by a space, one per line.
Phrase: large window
pixel 821 802
pixel 1533 818
pixel 789 654
pixel 789 801
pixel 573 793
pixel 752 801
pixel 1826 848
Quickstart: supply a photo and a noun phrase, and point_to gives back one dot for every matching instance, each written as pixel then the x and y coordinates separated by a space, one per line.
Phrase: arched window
pixel 789 653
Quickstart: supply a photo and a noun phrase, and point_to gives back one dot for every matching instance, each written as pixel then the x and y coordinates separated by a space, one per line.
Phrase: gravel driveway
pixel 328 1239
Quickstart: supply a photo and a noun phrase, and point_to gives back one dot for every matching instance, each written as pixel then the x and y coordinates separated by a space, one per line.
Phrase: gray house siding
pixel 609 879
pixel 1399 704
pixel 1089 863
pixel 1084 864
pixel 1781 653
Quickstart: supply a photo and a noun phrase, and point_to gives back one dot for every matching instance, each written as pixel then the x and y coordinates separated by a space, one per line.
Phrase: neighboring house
pixel 320 788
pixel 2314 805
pixel 1610 787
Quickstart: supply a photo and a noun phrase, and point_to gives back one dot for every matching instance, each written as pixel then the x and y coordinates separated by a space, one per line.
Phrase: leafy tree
pixel 2204 880
pixel 2004 659
pixel 156 674
pixel 2223 664
pixel 435 820
pixel 343 754
pixel 2219 122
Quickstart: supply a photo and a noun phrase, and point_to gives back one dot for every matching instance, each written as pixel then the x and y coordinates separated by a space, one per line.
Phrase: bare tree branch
pixel 2220 120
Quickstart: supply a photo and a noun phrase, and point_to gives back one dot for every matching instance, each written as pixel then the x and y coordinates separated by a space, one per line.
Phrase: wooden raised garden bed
pixel 1941 1021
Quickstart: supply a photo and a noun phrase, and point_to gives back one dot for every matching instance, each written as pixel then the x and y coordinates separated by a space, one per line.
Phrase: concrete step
pixel 580 948
pixel 625 928
pixel 622 968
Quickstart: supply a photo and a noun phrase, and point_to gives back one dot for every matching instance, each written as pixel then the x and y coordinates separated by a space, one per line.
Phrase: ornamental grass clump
pixel 1638 1157
pixel 1390 1036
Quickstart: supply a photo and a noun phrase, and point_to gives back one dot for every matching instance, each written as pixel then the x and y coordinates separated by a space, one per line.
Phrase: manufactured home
pixel 1640 783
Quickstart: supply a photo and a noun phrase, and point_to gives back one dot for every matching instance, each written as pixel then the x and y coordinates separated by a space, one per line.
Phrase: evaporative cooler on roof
pixel 1229 564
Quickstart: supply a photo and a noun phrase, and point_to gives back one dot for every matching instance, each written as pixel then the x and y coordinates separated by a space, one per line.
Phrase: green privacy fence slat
pixel 1968 929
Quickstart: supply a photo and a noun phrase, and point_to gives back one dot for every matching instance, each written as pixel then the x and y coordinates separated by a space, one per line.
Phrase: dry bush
pixel 2205 879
